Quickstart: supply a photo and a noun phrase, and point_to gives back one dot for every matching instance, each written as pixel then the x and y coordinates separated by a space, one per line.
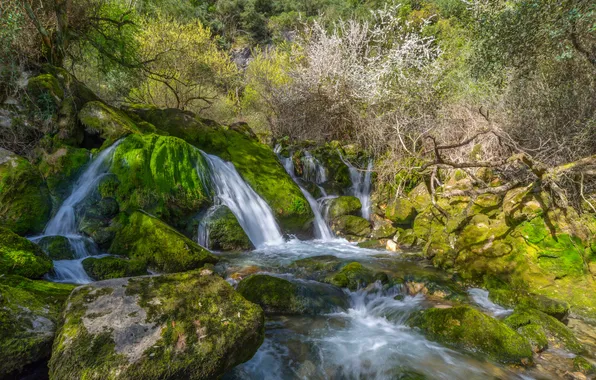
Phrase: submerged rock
pixel 21 257
pixel 225 233
pixel 179 326
pixel 109 267
pixel 280 296
pixel 25 202
pixel 147 239
pixel 29 313
pixel 468 329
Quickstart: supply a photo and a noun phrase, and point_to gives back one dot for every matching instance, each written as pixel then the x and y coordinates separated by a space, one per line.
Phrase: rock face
pixel 401 212
pixel 25 202
pixel 180 326
pixel 107 122
pixel 149 240
pixel 470 330
pixel 225 233
pixel 280 296
pixel 29 313
pixel 21 257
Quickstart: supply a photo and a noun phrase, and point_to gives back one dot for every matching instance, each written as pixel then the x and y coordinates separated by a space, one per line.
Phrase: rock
pixel 345 205
pixel 109 267
pixel 57 247
pixel 60 165
pixel 256 162
pixel 419 197
pixel 280 296
pixel 384 231
pixel 405 238
pixel 392 246
pixel 520 205
pixel 468 329
pixel 401 211
pixel 25 202
pixel 162 175
pixel 542 330
pixel 352 276
pixel 581 364
pixel 316 267
pixel 351 226
pixel 512 298
pixel 19 256
pixel 46 93
pixel 184 325
pixel 29 313
pixel 147 239
pixel 373 244
pixel 225 233
pixel 106 122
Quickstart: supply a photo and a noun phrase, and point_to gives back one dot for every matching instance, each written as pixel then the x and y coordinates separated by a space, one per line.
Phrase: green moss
pixel 150 240
pixel 279 296
pixel 465 328
pixel 401 211
pixel 57 248
pixel 29 312
pixel 113 267
pixel 162 175
pixel 345 205
pixel 582 365
pixel 108 186
pixel 61 167
pixel 107 122
pixel 255 162
pixel 542 330
pixel 25 203
pixel 352 276
pixel 21 257
pixel 351 225
pixel 316 267
pixel 44 86
pixel 225 233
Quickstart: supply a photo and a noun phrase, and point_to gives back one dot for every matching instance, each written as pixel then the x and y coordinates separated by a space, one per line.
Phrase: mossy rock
pixel 352 276
pixel 147 239
pixel 520 205
pixel 25 202
pixel 584 366
pixel 542 330
pixel 45 93
pixel 513 298
pixel 373 244
pixel 405 237
pixel 401 211
pixel 19 256
pixel 225 233
pixel 280 296
pixel 107 122
pixel 351 225
pixel 29 314
pixel 344 205
pixel 316 267
pixel 162 175
pixel 384 231
pixel 60 167
pixel 420 197
pixel 255 162
pixel 468 329
pixel 57 247
pixel 109 267
pixel 179 326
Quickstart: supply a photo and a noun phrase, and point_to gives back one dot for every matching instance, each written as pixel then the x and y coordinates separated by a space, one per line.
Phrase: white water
pixel 252 212
pixel 313 170
pixel 361 183
pixel 322 230
pixel 480 298
pixel 203 229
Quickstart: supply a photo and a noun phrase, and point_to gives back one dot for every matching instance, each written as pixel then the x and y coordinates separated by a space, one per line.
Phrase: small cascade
pixel 322 230
pixel 252 212
pixel 313 171
pixel 203 232
pixel 361 185
pixel 480 298
pixel 64 222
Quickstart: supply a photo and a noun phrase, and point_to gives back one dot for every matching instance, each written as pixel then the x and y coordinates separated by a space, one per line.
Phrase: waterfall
pixel 252 212
pixel 64 222
pixel 322 230
pixel 361 184
pixel 203 232
pixel 313 170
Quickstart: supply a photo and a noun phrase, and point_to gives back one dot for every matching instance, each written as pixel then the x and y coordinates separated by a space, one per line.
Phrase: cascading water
pixel 313 171
pixel 64 222
pixel 252 212
pixel 322 230
pixel 361 185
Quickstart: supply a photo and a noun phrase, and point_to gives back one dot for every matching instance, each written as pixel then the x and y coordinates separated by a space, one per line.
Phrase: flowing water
pixel 361 185
pixel 313 171
pixel 252 212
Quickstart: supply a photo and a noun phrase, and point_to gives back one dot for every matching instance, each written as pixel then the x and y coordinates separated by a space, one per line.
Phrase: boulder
pixel 344 205
pixel 19 256
pixel 520 205
pixel 29 314
pixel 225 233
pixel 25 202
pixel 468 329
pixel 57 247
pixel 316 267
pixel 351 226
pixel 401 212
pixel 280 296
pixel 352 276
pixel 106 122
pixel 383 231
pixel 419 197
pixel 109 267
pixel 180 326
pixel 147 239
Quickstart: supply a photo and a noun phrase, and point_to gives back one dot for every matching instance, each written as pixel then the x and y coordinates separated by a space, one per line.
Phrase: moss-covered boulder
pixel 21 257
pixel 147 239
pixel 280 296
pixel 29 314
pixel 57 247
pixel 520 205
pixel 542 330
pixel 255 162
pixel 45 93
pixel 352 276
pixel 516 298
pixel 225 233
pixel 419 197
pixel 468 329
pixel 109 267
pixel 179 326
pixel 383 230
pixel 25 202
pixel 316 267
pixel 401 211
pixel 351 226
pixel 106 122
pixel 344 205
pixel 162 175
